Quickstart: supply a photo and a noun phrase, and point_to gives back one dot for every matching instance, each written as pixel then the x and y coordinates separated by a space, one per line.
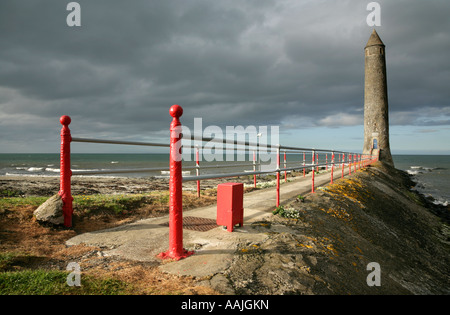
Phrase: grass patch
pixel 6 260
pixel 14 202
pixel 288 213
pixel 42 282
pixel 9 193
pixel 115 204
pixel 101 203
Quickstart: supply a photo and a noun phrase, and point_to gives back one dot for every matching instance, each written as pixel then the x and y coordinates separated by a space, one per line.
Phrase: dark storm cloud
pixel 292 63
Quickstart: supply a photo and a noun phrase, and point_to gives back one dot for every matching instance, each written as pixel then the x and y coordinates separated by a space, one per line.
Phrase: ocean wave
pixel 57 176
pixel 441 202
pixel 414 170
pixel 428 169
pixel 35 169
pixel 88 170
pixel 52 170
pixel 29 175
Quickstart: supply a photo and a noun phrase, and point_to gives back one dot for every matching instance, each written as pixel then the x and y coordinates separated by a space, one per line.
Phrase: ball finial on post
pixel 65 120
pixel 176 111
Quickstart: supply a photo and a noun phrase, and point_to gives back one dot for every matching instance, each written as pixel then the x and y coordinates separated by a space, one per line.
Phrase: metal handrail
pixel 272 148
pixel 344 159
pixel 224 175
pixel 287 149
pixel 120 171
pixel 120 142
pixel 217 166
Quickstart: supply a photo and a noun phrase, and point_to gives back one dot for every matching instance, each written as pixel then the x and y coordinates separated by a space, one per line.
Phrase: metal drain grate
pixel 197 224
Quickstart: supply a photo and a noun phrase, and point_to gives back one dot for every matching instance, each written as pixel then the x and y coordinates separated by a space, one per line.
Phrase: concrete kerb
pixel 214 249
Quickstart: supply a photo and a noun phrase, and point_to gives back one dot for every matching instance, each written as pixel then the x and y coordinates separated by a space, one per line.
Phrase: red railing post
pixel 349 159
pixel 197 170
pixel 313 171
pixel 343 164
pixel 304 169
pixel 65 172
pixel 285 172
pixel 317 159
pixel 278 176
pixel 254 168
pixel 176 250
pixel 332 166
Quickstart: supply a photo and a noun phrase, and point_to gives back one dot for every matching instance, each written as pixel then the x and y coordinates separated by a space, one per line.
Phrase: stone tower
pixel 376 117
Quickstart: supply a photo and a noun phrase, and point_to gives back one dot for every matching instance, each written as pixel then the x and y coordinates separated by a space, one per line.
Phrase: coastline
pixel 24 186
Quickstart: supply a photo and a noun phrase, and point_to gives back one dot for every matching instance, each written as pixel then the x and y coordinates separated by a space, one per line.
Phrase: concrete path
pixel 214 249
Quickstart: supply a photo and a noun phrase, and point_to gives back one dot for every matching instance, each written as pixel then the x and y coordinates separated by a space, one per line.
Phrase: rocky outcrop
pixel 371 217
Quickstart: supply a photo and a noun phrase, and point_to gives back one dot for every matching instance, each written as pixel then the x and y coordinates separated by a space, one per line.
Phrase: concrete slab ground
pixel 214 249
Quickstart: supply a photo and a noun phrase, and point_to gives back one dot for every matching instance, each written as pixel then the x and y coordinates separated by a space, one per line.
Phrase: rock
pixel 51 211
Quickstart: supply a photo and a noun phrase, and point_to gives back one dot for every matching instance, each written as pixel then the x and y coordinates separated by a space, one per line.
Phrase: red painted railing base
pixel 174 255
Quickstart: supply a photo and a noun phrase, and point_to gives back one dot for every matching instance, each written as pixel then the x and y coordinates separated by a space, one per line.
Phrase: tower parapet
pixel 376 109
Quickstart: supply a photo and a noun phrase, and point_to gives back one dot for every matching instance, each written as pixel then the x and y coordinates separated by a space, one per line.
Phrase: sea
pixel 430 172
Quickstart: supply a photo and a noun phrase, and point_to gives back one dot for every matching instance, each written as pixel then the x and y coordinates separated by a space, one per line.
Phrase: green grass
pixel 6 260
pixel 110 203
pixel 288 213
pixel 9 193
pixel 51 282
pixel 92 203
pixel 42 282
pixel 12 202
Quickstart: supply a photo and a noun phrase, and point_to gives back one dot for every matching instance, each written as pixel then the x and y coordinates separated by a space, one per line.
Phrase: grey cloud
pixel 234 62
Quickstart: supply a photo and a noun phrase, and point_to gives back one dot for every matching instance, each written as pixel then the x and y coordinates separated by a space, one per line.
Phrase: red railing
pixel 176 250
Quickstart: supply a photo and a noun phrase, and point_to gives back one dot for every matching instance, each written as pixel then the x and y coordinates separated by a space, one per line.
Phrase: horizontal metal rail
pixel 247 145
pixel 224 141
pixel 266 146
pixel 236 174
pixel 224 175
pixel 119 171
pixel 216 166
pixel 151 144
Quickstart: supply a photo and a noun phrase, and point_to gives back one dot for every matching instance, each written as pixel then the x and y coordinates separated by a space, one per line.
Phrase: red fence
pixel 330 159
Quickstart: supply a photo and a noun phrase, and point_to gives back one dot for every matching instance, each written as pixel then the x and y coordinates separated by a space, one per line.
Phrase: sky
pixel 295 64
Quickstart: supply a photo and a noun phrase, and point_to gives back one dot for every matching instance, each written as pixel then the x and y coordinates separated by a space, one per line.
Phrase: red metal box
pixel 230 205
